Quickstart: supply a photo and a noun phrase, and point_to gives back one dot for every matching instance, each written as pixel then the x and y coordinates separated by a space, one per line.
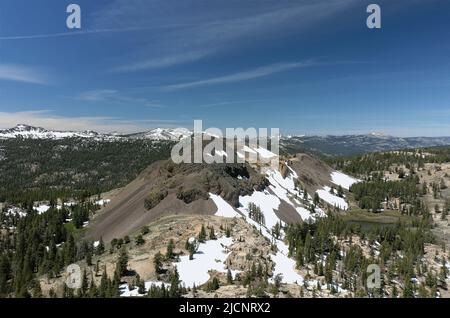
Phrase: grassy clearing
pixel 382 218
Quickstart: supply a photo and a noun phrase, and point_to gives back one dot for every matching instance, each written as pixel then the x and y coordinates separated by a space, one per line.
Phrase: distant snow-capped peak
pixel 378 134
pixel 31 132
pixel 168 134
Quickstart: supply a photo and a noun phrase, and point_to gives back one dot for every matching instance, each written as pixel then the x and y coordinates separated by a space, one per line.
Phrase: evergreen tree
pixel 141 288
pixel 103 290
pixel 316 199
pixel 84 284
pixel 122 262
pixel 170 250
pixel 213 285
pixel 89 257
pixel 70 250
pixel 202 235
pixel 408 289
pixel 212 235
pixel 174 291
pixel 93 289
pixel 157 262
pixel 139 240
pixel 100 247
pixel 340 192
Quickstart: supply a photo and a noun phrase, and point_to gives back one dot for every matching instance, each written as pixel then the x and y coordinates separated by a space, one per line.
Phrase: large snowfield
pixel 210 255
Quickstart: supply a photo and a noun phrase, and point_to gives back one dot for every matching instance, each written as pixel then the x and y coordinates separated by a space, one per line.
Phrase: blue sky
pixel 302 66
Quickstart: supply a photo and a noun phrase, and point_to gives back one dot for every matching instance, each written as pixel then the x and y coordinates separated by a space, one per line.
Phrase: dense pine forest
pixel 371 194
pixel 41 244
pixel 36 170
pixel 398 250
pixel 366 164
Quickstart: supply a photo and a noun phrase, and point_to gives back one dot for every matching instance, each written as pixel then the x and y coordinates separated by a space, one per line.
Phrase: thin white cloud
pixel 20 73
pixel 232 102
pixel 104 124
pixel 207 28
pixel 241 76
pixel 97 95
pixel 161 62
pixel 87 32
pixel 114 96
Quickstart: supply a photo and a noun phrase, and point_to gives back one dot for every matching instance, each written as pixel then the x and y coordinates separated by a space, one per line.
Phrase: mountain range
pixel 31 132
pixel 328 145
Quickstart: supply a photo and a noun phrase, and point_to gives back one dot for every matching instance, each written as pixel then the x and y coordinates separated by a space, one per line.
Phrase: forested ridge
pixel 36 170
pixel 374 162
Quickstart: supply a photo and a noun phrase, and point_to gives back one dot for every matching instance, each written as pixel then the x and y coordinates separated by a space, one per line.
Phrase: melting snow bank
pixel 267 203
pixel 125 291
pixel 44 207
pixel 210 255
pixel 223 208
pixel 285 266
pixel 102 202
pixel 15 211
pixel 343 180
pixel 285 189
pixel 332 199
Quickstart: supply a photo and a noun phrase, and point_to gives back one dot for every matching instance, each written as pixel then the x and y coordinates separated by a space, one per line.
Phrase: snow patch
pixel 223 208
pixel 285 265
pixel 210 255
pixel 332 199
pixel 343 180
pixel 266 202
pixel 102 202
pixel 15 211
pixel 126 292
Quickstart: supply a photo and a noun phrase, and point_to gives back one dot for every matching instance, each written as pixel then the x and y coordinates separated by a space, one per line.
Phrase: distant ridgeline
pixel 351 145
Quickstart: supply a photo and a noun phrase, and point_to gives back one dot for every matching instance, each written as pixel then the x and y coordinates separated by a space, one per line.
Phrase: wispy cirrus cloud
pixel 161 62
pixel 115 96
pixel 209 27
pixel 21 73
pixel 231 102
pixel 87 32
pixel 258 72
